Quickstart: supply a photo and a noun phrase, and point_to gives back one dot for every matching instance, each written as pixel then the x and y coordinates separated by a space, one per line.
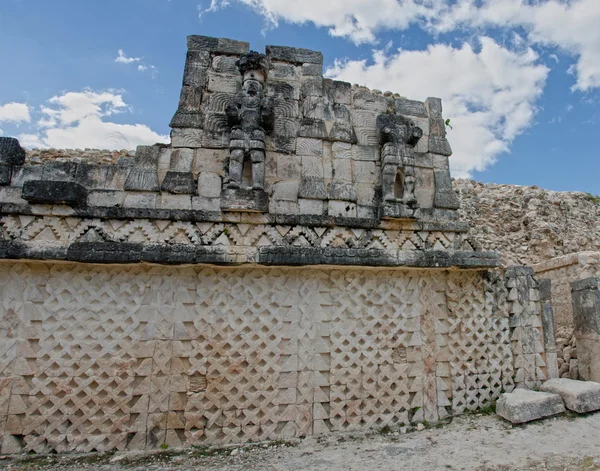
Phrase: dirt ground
pixel 473 442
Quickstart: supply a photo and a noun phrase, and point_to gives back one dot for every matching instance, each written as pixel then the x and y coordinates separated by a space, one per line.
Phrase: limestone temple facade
pixel 292 263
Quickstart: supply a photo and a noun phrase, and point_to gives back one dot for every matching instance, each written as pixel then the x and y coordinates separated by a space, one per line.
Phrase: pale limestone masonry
pixel 292 263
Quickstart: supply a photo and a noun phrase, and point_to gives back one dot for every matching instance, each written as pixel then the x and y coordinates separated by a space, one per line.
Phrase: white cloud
pixel 142 68
pixel 78 120
pixel 488 95
pixel 571 25
pixel 123 59
pixel 358 20
pixel 15 113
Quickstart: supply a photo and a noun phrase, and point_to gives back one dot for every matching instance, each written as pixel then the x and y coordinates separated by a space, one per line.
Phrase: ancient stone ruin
pixel 293 263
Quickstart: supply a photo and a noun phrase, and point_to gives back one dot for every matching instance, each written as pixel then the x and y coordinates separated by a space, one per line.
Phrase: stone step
pixel 522 405
pixel 578 396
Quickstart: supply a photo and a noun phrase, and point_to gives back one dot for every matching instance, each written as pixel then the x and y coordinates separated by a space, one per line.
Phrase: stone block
pixel 284 71
pixel 294 54
pixel 342 170
pixel 342 92
pixel 283 207
pixel 439 145
pixel 311 86
pixel 231 46
pixel 422 146
pixel 140 200
pixel 312 166
pixel 444 194
pixel 180 159
pixel 440 161
pixel 578 396
pixel 190 138
pixel 366 212
pixel 167 201
pixel 306 146
pixel 11 194
pixel 314 128
pixel 209 160
pixel 179 183
pixel 209 185
pixel 225 65
pixel 365 194
pixel 105 198
pixel 369 153
pixel 312 69
pixel 11 152
pixel 411 108
pixel 22 174
pixel 434 107
pixel 308 206
pixel 54 192
pixel 59 171
pixel 364 99
pixel 288 167
pixel 286 191
pixel 202 43
pixel 437 127
pixel 244 200
pixel 225 83
pixel 341 150
pixel 343 191
pixel 289 90
pixel 5 174
pixel 312 188
pixel 341 209
pixel 365 172
pixel 424 187
pixel 522 405
pixel 201 203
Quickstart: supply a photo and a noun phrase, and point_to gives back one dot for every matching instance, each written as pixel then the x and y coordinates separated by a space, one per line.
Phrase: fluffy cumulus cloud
pixel 15 113
pixel 571 25
pixel 489 93
pixel 82 119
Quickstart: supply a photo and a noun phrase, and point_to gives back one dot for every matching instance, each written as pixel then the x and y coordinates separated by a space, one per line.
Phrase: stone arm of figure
pixel 233 111
pixel 267 114
pixel 385 134
pixel 416 133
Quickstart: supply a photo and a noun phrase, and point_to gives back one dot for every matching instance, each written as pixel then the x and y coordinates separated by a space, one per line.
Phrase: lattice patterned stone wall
pixel 114 357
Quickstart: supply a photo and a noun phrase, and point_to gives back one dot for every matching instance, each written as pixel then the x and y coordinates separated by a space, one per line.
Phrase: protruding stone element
pixel 578 396
pixel 250 115
pixel 522 405
pixel 144 174
pixel 444 194
pixel 548 327
pixel 11 152
pixel 585 297
pixel 54 192
pixel 398 136
pixel 240 199
pixel 294 54
pixel 434 107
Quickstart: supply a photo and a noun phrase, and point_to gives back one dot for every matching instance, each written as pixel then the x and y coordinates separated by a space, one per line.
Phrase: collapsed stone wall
pixel 562 271
pixel 527 224
pixel 556 232
pixel 98 357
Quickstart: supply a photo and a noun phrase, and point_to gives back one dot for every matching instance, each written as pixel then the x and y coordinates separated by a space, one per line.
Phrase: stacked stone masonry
pixel 164 297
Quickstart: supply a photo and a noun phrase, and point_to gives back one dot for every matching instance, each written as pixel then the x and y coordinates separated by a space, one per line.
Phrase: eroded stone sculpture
pixel 398 136
pixel 249 114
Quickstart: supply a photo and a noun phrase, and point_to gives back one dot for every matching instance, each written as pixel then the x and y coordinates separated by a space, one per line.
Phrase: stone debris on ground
pixel 469 443
pixel 522 405
pixel 578 396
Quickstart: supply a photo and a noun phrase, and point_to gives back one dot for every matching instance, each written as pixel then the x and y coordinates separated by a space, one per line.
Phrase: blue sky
pixel 519 78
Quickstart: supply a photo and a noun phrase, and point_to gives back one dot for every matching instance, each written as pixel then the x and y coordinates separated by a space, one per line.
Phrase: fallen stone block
pixel 522 405
pixel 578 396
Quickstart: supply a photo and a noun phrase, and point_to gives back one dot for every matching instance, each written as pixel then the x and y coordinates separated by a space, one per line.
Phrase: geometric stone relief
pixel 55 231
pixel 98 357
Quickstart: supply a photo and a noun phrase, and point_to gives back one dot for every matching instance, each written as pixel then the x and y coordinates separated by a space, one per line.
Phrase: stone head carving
pixel 397 136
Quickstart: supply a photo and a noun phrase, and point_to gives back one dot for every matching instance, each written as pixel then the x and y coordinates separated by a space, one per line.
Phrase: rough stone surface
pixel 578 396
pixel 522 405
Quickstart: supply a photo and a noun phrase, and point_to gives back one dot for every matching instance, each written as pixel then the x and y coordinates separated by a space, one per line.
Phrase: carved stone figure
pixel 398 136
pixel 250 115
